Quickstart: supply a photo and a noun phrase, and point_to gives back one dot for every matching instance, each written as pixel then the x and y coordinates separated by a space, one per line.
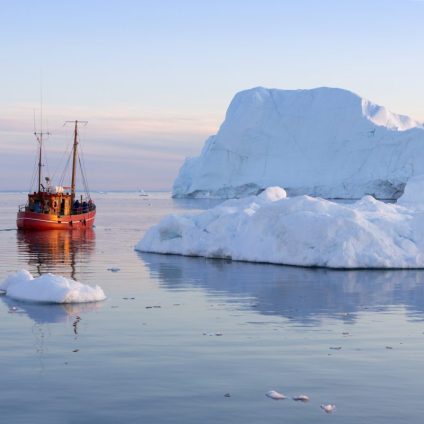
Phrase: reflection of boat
pixel 53 208
pixel 55 251
pixel 58 252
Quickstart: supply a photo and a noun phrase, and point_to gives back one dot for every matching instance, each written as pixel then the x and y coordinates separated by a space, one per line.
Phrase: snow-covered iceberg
pixel 324 142
pixel 302 230
pixel 49 288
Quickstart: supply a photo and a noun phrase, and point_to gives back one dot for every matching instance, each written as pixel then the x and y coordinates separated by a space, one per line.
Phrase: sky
pixel 154 78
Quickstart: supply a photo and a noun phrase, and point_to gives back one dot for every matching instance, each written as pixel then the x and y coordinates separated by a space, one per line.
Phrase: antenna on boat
pixel 39 136
pixel 74 156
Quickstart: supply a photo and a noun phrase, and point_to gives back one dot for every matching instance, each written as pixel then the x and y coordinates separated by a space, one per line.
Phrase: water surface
pixel 176 334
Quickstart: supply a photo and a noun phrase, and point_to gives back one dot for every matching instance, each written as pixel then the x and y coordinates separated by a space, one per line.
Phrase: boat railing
pixel 83 209
pixel 22 208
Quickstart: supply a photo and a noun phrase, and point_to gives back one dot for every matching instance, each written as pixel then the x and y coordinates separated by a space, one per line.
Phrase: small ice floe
pixel 329 408
pixel 389 347
pixel 273 394
pixel 13 310
pixel 114 269
pixel 301 398
pixel 49 288
pixel 335 348
pixel 2 292
pixel 227 395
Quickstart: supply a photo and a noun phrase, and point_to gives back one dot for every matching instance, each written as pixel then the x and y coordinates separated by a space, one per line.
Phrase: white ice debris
pixel 324 142
pixel 114 269
pixel 273 394
pixel 49 288
pixel 328 408
pixel 301 398
pixel 302 230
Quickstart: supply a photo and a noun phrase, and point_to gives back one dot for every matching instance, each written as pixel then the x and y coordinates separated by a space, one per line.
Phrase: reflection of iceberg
pixel 302 294
pixel 50 313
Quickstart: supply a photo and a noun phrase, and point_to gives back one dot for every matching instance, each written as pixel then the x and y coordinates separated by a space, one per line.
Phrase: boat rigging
pixel 58 207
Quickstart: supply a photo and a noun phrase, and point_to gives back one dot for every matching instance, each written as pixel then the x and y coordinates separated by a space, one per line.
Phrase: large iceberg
pixel 324 142
pixel 49 288
pixel 301 230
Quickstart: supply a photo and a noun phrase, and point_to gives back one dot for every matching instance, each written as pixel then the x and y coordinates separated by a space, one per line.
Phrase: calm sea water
pixel 177 334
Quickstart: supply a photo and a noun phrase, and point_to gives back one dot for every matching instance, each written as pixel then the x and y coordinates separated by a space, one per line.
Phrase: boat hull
pixel 42 221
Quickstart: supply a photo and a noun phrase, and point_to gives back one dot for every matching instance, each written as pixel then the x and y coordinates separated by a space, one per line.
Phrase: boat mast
pixel 40 141
pixel 39 136
pixel 75 155
pixel 74 159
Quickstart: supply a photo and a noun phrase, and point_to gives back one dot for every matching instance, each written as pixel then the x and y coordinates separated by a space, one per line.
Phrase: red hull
pixel 43 221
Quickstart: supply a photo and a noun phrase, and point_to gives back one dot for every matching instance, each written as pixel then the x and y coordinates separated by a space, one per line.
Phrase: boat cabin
pixel 57 202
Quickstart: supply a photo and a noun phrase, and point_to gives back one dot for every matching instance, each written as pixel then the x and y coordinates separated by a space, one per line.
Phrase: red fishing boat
pixel 56 208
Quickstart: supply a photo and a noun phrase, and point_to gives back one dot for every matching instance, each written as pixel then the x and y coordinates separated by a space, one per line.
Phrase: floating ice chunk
pixel 328 408
pixel 49 288
pixel 273 394
pixel 114 269
pixel 302 231
pixel 301 398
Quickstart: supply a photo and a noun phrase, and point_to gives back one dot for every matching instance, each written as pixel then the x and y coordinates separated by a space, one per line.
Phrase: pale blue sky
pixel 154 78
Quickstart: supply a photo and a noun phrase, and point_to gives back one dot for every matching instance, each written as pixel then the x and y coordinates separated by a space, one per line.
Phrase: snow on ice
pixel 49 288
pixel 301 230
pixel 324 142
pixel 273 394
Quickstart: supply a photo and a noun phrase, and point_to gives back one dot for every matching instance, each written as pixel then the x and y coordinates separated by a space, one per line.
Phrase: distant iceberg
pixel 49 288
pixel 324 142
pixel 302 231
